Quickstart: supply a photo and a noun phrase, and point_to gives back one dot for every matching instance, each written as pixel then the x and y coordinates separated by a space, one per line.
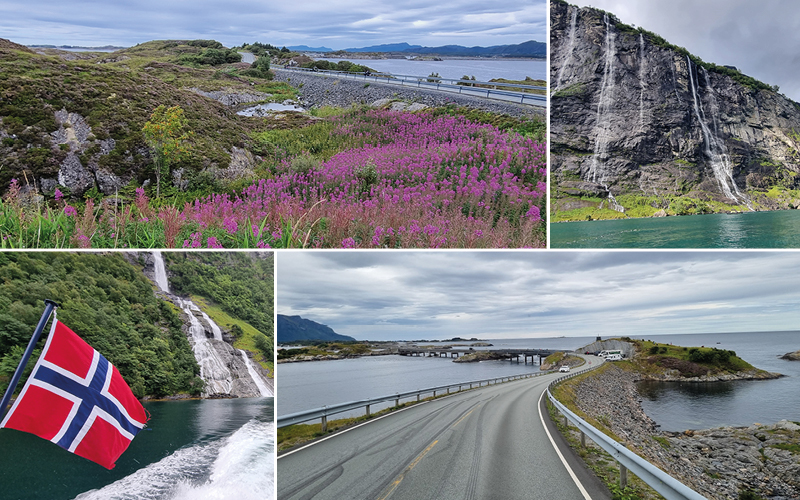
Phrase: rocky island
pixel 722 463
pixel 792 356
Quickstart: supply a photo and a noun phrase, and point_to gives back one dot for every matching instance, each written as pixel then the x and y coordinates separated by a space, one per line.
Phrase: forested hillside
pixel 109 303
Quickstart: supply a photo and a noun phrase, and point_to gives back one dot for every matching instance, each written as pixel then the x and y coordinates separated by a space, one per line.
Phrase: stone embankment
pixel 718 463
pixel 325 90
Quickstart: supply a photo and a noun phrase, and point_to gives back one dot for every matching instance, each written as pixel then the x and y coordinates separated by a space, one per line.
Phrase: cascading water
pixel 570 45
pixel 715 148
pixel 219 369
pixel 215 374
pixel 262 387
pixel 160 272
pixel 642 74
pixel 603 120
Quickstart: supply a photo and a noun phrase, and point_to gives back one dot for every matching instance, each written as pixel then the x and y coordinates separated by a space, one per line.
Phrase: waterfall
pixel 215 357
pixel 715 148
pixel 642 73
pixel 262 387
pixel 604 104
pixel 571 44
pixel 160 272
pixel 215 374
pixel 602 122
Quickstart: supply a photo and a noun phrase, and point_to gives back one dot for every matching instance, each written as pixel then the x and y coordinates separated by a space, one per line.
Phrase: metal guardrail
pixel 326 411
pixel 466 87
pixel 669 487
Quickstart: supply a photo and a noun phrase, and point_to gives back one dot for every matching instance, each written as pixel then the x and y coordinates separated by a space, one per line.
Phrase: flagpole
pixel 49 307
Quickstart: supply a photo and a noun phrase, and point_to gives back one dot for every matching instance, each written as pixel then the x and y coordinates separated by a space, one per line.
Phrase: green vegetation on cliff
pixel 109 303
pixel 239 284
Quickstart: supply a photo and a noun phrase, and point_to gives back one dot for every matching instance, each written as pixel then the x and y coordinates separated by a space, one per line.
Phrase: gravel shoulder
pixel 325 90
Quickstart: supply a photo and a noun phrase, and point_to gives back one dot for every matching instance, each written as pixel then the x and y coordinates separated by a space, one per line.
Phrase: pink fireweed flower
pixel 348 243
pixel 213 243
pixel 230 225
pixel 70 211
pixel 58 194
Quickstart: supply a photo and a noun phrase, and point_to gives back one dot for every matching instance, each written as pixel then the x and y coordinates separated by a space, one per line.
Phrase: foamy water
pixel 238 466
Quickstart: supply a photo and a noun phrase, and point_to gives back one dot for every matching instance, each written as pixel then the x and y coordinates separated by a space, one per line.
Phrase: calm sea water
pixel 779 229
pixel 674 406
pixel 303 386
pixel 190 449
pixel 679 406
pixel 481 69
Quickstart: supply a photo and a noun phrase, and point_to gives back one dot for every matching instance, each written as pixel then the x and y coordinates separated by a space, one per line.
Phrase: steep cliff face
pixel 633 115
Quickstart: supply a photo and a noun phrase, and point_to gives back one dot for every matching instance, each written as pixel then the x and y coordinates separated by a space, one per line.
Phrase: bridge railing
pixel 466 87
pixel 326 411
pixel 669 487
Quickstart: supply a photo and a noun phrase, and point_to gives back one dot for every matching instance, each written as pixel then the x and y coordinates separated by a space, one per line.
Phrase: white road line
pixel 563 460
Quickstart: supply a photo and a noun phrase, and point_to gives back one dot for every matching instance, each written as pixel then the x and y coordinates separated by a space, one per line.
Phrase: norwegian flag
pixel 75 398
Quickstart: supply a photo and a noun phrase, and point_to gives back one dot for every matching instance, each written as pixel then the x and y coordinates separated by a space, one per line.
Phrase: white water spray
pixel 570 45
pixel 215 374
pixel 239 466
pixel 160 272
pixel 715 148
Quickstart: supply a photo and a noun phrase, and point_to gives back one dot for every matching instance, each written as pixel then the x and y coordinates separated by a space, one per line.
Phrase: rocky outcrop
pixel 631 113
pixel 80 171
pixel 792 356
pixel 717 463
pixel 478 356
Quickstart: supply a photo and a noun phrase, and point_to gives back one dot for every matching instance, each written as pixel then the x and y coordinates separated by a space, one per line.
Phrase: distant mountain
pixel 387 47
pixel 295 328
pixel 306 48
pixel 526 49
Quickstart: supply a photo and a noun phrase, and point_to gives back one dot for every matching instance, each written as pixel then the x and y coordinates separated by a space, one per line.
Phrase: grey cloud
pixel 338 24
pixel 539 293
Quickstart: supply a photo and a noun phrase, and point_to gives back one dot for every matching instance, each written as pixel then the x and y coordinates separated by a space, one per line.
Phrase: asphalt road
pixel 488 443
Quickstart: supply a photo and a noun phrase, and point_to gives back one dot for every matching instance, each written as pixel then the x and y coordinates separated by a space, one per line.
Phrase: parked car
pixel 614 357
pixel 564 368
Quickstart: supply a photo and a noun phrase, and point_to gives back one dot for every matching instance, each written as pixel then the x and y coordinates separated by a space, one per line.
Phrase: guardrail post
pixel 448 390
pixel 367 411
pixel 324 423
pixel 623 476
pixel 583 440
pixel 434 393
pixel 397 401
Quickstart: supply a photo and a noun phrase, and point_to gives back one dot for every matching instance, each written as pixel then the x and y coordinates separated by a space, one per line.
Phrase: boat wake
pixel 238 466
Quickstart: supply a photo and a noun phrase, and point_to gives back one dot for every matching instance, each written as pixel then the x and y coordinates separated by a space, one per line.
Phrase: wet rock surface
pixel 325 90
pixel 633 115
pixel 717 463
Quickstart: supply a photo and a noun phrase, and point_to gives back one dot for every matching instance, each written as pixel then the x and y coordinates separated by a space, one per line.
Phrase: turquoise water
pixel 190 449
pixel 779 229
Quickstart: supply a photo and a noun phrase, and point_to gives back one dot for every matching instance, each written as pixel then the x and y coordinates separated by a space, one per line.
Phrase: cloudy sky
pixel 336 24
pixel 436 295
pixel 760 38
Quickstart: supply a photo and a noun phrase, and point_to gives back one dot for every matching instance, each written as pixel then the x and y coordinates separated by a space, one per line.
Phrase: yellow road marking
pixel 408 469
pixel 462 418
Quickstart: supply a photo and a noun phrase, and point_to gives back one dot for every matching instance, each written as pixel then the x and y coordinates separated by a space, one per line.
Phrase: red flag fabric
pixel 75 398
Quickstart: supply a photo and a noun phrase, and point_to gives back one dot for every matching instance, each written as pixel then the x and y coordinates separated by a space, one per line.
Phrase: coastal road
pixel 487 443
pixel 494 94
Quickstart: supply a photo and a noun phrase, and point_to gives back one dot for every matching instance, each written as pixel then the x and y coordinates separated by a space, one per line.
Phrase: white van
pixel 614 357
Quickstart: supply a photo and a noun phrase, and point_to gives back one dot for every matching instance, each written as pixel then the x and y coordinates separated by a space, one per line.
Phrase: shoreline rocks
pixel 718 463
